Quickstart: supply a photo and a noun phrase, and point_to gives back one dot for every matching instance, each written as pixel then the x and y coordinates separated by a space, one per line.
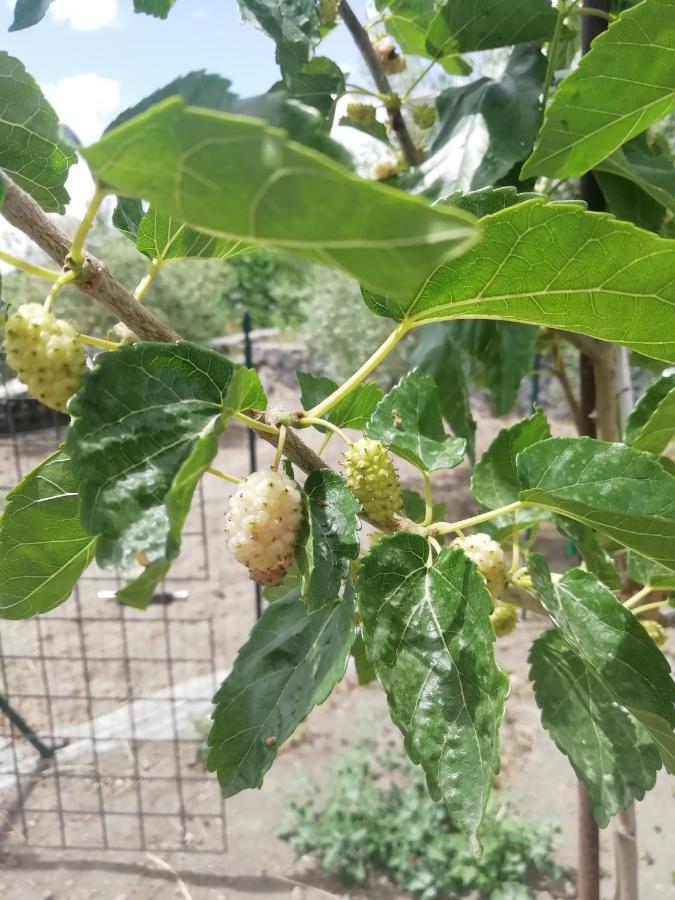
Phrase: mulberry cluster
pixel 424 116
pixel 361 113
pixel 489 557
pixel 504 619
pixel 328 10
pixel 372 479
pixel 45 353
pixel 391 60
pixel 263 523
pixel 655 630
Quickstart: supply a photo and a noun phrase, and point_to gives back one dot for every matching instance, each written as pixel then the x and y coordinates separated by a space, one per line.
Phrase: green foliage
pixel 427 628
pixel 651 425
pixel 614 489
pixel 352 412
pixel 329 538
pixel 31 149
pixel 158 8
pixel 620 87
pixel 489 23
pixel 43 548
pixel 286 196
pixel 537 263
pixel 148 419
pixel 28 12
pixel 375 815
pixel 292 24
pixel 290 664
pixel 408 421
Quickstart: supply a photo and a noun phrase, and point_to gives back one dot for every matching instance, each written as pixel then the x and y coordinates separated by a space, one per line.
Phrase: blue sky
pixel 141 53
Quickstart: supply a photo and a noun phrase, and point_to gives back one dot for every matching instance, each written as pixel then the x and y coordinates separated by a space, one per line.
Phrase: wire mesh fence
pixel 103 708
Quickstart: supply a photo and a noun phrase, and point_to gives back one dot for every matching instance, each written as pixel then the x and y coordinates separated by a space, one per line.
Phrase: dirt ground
pixel 536 780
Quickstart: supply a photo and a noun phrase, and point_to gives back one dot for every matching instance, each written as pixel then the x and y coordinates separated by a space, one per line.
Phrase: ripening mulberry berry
pixel 489 557
pixel 45 353
pixel 372 479
pixel 424 116
pixel 385 168
pixel 328 10
pixel 391 60
pixel 655 630
pixel 263 523
pixel 121 334
pixel 361 113
pixel 504 619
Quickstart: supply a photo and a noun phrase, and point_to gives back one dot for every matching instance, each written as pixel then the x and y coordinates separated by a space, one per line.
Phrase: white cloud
pixel 85 15
pixel 85 103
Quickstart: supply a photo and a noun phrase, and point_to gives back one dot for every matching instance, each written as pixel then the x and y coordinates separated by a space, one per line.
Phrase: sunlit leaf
pixel 651 425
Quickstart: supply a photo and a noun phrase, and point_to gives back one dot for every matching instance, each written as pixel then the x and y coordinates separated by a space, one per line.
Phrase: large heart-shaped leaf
pixel 621 86
pixel 538 263
pixel 620 492
pixel 289 665
pixel 408 421
pixel 613 644
pixel 485 24
pixel 329 537
pixel 147 422
pixel 610 752
pixel 428 633
pixel 494 482
pixel 31 150
pixel 43 547
pixel 651 425
pixel 269 190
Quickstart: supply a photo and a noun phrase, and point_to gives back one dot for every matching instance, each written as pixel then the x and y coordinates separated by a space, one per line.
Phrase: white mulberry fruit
pixel 46 354
pixel 263 524
pixel 385 168
pixel 504 619
pixel 655 630
pixel 489 557
pixel 424 116
pixel 391 60
pixel 328 10
pixel 372 478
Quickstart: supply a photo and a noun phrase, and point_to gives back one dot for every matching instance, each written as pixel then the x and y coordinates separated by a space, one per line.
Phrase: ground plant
pixel 340 824
pixel 459 237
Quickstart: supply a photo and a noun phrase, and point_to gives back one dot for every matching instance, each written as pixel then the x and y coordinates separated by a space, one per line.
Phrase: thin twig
pixel 362 41
pixel 560 372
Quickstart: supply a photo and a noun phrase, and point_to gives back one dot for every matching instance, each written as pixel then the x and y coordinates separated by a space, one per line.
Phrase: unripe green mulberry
pixel 361 113
pixel 372 479
pixel 489 557
pixel 655 630
pixel 45 353
pixel 424 116
pixel 263 524
pixel 504 619
pixel 328 10
pixel 391 60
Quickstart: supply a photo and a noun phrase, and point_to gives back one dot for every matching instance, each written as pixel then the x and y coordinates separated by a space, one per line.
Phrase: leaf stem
pixel 77 248
pixel 232 479
pixel 425 71
pixel 280 447
pixel 324 423
pixel 63 279
pixel 250 422
pixel 428 500
pixel 448 527
pixel 325 442
pixel 647 606
pixel 25 266
pixel 593 11
pixel 98 342
pixel 378 356
pixel 639 595
pixel 551 53
pixel 146 281
pixel 515 552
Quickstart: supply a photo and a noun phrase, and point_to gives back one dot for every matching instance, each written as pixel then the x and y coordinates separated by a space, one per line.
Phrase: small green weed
pixel 375 814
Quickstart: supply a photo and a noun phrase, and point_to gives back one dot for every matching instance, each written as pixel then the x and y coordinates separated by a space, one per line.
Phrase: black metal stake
pixel 252 451
pixel 25 729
